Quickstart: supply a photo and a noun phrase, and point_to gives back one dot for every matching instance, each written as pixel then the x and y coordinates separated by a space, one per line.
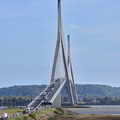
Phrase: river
pixel 98 109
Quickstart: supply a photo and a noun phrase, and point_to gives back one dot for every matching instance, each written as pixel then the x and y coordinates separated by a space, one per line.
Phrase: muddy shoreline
pixel 70 115
pixel 87 117
pixel 96 110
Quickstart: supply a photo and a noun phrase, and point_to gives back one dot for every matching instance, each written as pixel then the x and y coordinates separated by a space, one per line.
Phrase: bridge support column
pixel 57 101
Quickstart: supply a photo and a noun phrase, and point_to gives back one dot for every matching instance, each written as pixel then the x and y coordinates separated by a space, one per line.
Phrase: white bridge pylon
pixel 61 90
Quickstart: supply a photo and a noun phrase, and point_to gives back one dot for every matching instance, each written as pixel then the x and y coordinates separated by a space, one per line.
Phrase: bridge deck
pixel 49 94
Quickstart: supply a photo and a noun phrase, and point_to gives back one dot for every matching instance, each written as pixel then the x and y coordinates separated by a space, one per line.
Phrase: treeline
pixel 105 100
pixel 97 91
pixel 13 101
pixel 23 90
pixel 88 90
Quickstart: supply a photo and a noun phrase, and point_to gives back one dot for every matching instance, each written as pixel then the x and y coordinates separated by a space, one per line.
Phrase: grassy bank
pixel 60 114
pixel 47 113
pixel 10 111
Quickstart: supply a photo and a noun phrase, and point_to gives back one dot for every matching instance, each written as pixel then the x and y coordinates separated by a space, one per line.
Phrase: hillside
pixel 87 90
pixel 23 90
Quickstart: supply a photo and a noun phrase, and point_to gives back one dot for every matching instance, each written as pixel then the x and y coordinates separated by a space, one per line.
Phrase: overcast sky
pixel 27 37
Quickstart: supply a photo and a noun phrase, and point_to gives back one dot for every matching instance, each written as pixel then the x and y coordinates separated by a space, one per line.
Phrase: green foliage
pixel 22 95
pixel 11 111
pixel 105 100
pixel 32 115
pixel 97 91
pixel 12 101
pixel 28 90
pixel 48 111
pixel 110 100
pixel 89 99
pixel 58 112
pixel 25 117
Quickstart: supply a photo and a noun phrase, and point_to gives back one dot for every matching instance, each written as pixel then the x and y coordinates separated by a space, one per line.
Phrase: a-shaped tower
pixel 62 68
pixel 61 91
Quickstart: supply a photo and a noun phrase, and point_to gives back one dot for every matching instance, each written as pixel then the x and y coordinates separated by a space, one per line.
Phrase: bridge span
pixel 47 97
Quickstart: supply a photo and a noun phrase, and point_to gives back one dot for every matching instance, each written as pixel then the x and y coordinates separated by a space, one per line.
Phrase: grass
pixel 30 116
pixel 35 114
pixel 82 102
pixel 11 111
pixel 58 112
pixel 45 111
pixel 25 117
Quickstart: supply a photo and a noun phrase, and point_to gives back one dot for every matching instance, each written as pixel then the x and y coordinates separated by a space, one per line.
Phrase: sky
pixel 27 37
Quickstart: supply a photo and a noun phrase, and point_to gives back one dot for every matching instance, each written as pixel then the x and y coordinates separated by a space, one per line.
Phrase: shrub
pixel 58 112
pixel 32 115
pixel 25 117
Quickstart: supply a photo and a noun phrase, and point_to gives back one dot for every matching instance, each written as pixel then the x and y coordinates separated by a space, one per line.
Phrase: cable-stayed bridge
pixel 62 80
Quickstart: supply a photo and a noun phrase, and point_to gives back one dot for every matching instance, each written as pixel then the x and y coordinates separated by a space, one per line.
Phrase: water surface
pixel 99 109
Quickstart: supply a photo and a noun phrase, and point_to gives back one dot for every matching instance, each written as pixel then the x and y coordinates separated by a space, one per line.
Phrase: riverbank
pixel 108 110
pixel 10 111
pixel 67 114
pixel 87 117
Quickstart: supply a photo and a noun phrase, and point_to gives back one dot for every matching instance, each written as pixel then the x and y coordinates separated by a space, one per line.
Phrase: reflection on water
pixel 99 109
pixel 105 106
pixel 99 112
